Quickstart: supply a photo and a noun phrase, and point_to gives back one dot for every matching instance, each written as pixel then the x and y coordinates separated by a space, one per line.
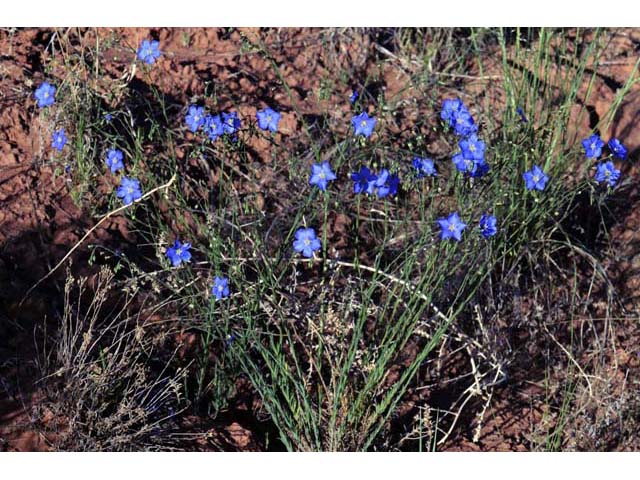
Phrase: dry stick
pixel 92 229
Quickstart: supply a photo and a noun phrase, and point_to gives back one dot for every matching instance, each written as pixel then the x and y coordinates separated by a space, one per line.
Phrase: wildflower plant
pixel 333 341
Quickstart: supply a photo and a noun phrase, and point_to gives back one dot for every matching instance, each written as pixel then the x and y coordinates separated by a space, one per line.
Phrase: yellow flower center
pixel 130 190
pixel 452 227
pixel 593 146
pixel 307 242
pixel 46 95
pixel 536 178
pixel 268 118
pixel 607 173
pixel 178 251
pixel 472 148
pixel 220 288
pixel 321 175
pixel 363 124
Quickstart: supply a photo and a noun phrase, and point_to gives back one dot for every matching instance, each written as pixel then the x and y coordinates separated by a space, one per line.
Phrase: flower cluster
pixel 214 126
pixel 605 171
pixel 382 184
pixel 470 160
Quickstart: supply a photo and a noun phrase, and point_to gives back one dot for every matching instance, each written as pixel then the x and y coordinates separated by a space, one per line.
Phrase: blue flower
pixel 363 124
pixel 195 118
pixel 424 167
pixel 129 190
pixel 213 127
pixel 321 175
pixel 58 140
pixel 221 290
pixel 386 184
pixel 452 227
pixel 456 115
pixel 114 160
pixel 593 146
pixel 606 172
pixel 617 148
pixel 354 96
pixel 179 253
pixel 306 242
pixel 363 180
pixel 149 51
pixel 464 165
pixel 472 148
pixel 523 117
pixel 488 226
pixel 482 168
pixel 451 107
pixel 108 117
pixel 230 122
pixel 535 178
pixel 268 119
pixel 45 94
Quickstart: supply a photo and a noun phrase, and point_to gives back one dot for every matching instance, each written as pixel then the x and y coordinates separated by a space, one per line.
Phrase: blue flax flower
pixel 149 51
pixel 617 148
pixel 606 172
pixel 354 96
pixel 363 124
pixel 456 115
pixel 482 168
pixel 535 178
pixel 114 160
pixel 58 140
pixel 213 127
pixel 424 167
pixel 45 94
pixel 321 175
pixel 230 122
pixel 363 180
pixel 179 253
pixel 472 148
pixel 306 242
pixel 195 118
pixel 268 119
pixel 386 184
pixel 464 165
pixel 452 227
pixel 488 226
pixel 221 290
pixel 129 190
pixel 523 117
pixel 593 146
pixel 108 117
